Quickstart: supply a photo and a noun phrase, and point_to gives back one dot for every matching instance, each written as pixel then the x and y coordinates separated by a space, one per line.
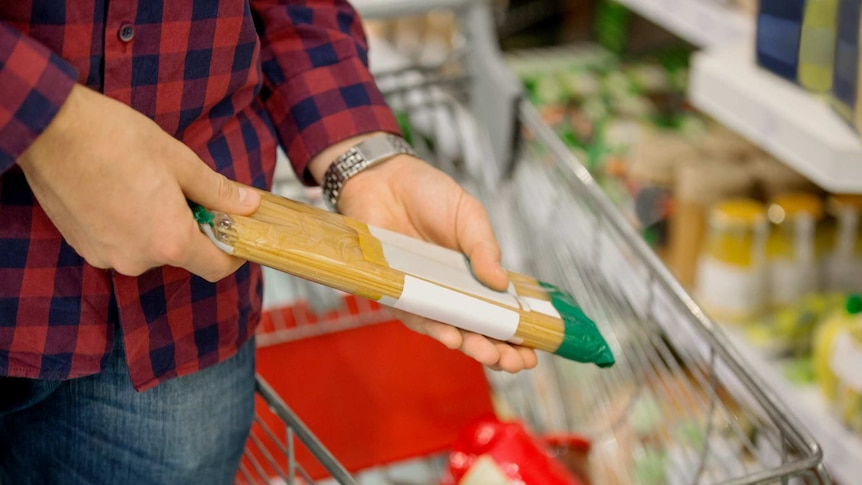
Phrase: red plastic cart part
pixel 375 394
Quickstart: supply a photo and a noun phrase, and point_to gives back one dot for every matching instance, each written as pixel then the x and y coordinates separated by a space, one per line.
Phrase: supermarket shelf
pixel 399 8
pixel 778 116
pixel 699 22
pixel 842 450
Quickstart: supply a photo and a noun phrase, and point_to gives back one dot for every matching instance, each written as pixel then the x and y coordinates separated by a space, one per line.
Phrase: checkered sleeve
pixel 317 86
pixel 34 83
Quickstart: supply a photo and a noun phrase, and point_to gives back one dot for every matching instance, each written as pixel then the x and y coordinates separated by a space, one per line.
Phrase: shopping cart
pixel 680 406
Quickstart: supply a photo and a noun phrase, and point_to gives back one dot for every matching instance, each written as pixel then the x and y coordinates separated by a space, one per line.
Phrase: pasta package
pixel 406 274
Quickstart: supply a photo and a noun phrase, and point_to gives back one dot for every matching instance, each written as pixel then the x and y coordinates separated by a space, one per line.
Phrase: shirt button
pixel 126 32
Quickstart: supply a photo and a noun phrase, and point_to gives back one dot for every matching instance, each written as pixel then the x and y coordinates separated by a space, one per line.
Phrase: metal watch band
pixel 359 157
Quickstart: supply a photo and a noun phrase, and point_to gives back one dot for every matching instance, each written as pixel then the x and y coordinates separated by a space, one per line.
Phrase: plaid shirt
pixel 230 79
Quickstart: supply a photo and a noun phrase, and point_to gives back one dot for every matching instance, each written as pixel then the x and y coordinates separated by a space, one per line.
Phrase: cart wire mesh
pixel 679 407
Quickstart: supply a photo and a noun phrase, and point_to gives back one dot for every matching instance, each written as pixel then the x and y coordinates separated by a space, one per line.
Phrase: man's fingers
pixel 206 260
pixel 476 239
pixel 445 334
pixel 493 353
pixel 485 262
pixel 480 348
pixel 212 189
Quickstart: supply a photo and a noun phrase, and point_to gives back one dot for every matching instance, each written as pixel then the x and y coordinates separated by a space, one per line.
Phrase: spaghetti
pixel 408 274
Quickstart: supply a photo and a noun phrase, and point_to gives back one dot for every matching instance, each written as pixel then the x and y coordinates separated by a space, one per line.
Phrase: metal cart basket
pixel 680 406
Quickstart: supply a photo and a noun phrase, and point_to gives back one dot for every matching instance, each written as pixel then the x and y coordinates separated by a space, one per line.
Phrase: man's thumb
pixel 216 192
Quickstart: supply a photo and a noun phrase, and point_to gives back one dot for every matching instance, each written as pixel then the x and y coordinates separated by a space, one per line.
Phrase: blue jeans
pixel 98 429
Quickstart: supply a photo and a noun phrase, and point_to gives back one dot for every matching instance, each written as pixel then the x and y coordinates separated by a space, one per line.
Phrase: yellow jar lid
pixel 790 205
pixel 838 202
pixel 740 212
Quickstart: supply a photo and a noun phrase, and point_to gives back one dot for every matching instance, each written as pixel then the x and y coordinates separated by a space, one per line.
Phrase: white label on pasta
pixel 541 306
pixel 440 265
pixel 455 308
pixel 846 361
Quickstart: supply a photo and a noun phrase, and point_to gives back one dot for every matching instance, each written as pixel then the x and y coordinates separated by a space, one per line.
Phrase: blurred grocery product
pixel 779 25
pixel 837 360
pixel 795 248
pixel 718 142
pixel 845 82
pixel 843 264
pixel 650 179
pixel 493 452
pixel 817 45
pixel 845 361
pixel 775 178
pixel 699 185
pixel 731 273
pixel 789 332
pixel 426 39
pixel 796 40
pixel 814 43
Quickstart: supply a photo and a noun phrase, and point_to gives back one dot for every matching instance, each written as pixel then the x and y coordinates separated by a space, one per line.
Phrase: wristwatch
pixel 369 152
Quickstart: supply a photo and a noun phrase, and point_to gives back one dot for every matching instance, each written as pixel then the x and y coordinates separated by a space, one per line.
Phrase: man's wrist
pixel 318 165
pixel 59 124
pixel 358 158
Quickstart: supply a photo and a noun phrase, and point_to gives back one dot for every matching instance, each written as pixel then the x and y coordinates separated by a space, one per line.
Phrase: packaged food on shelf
pixel 775 178
pixel 779 24
pixel 843 271
pixel 426 38
pixel 650 178
pixel 795 248
pixel 789 332
pixel 837 360
pixel 699 185
pixel 626 119
pixel 817 44
pixel 718 142
pixel 846 78
pixel 731 273
pixel 796 39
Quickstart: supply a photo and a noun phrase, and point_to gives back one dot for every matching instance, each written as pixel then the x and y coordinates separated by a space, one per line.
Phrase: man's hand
pixel 115 185
pixel 409 196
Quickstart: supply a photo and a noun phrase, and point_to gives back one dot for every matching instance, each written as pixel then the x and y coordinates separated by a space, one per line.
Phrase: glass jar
pixel 731 273
pixel 795 248
pixel 837 358
pixel 843 261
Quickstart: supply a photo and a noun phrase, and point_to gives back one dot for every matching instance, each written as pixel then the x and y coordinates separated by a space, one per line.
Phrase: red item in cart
pixel 490 451
pixel 374 394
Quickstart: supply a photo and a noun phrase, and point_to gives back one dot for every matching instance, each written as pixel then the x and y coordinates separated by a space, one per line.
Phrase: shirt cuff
pixel 35 84
pixel 326 105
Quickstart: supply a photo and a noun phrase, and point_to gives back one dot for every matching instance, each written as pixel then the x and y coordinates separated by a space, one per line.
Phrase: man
pixel 125 335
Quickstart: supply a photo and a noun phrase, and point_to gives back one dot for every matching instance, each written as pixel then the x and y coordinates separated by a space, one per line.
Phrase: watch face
pixel 375 148
pixel 367 153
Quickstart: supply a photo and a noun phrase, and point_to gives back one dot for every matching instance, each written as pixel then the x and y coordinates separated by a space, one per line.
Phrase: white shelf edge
pixel 377 9
pixel 842 450
pixel 699 22
pixel 778 116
